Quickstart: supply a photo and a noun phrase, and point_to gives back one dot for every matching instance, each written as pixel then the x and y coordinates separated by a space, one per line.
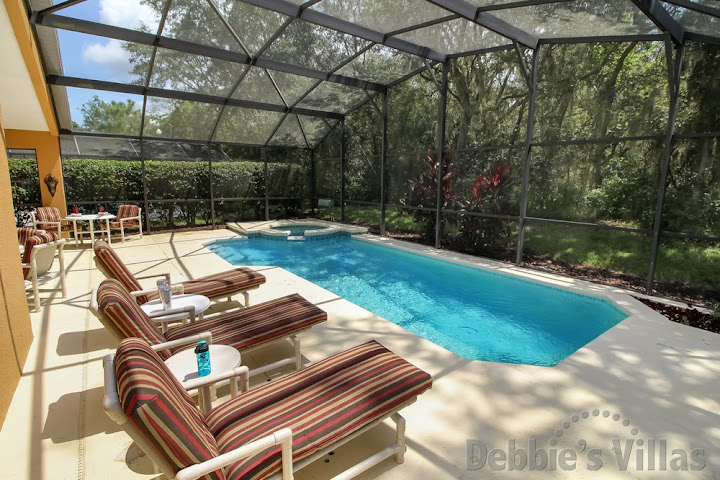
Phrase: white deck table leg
pixel 75 232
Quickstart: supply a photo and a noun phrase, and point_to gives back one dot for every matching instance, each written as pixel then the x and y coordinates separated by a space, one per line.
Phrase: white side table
pixel 200 302
pixel 223 358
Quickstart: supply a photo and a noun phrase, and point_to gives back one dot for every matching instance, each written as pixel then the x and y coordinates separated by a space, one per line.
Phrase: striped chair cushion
pixel 323 403
pixel 23 233
pixel 125 315
pixel 160 409
pixel 255 325
pixel 125 224
pixel 30 243
pixel 48 214
pixel 117 269
pixel 126 211
pixel 222 283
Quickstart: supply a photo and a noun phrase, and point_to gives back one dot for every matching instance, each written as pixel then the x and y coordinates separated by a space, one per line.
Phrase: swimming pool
pixel 474 313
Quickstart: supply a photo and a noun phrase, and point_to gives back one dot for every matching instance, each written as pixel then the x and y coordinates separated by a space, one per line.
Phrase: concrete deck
pixel 663 378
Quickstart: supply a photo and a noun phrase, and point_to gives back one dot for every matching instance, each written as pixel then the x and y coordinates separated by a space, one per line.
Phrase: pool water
pixel 298 230
pixel 476 314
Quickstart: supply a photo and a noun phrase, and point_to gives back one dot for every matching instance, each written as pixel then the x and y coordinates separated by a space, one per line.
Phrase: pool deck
pixel 664 378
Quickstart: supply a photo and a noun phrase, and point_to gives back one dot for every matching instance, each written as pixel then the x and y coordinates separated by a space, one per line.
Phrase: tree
pixel 121 118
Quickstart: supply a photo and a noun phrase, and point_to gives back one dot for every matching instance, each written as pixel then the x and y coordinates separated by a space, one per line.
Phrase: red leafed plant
pixel 423 191
pixel 490 189
pixel 487 191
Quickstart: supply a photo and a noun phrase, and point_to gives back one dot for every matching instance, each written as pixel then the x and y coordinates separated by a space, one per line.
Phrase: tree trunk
pixel 606 97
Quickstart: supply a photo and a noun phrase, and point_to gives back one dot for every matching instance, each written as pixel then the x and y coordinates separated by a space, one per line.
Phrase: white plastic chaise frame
pixel 41 261
pixel 282 437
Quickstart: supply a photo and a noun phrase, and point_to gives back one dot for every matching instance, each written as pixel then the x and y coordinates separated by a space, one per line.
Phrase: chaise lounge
pixel 272 430
pixel 217 285
pixel 245 329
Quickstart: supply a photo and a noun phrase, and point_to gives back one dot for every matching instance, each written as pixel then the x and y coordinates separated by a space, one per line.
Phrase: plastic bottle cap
pixel 202 347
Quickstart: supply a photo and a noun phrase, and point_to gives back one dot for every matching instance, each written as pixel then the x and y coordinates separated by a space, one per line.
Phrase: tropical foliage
pixel 596 151
pixel 179 191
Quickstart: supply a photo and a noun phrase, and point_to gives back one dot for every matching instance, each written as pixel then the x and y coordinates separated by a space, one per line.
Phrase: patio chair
pixel 48 218
pixel 128 216
pixel 37 260
pixel 245 330
pixel 222 284
pixel 272 430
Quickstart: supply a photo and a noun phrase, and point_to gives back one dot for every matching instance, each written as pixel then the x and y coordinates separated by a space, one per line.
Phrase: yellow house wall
pixel 15 328
pixel 47 150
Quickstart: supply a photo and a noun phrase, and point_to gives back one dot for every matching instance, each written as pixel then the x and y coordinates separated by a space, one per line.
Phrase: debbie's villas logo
pixel 632 452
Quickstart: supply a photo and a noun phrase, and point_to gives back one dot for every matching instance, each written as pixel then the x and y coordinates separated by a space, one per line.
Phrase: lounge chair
pixel 244 329
pixel 222 284
pixel 272 430
pixel 128 216
pixel 37 260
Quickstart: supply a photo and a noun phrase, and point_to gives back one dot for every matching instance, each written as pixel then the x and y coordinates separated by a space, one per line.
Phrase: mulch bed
pixel 686 316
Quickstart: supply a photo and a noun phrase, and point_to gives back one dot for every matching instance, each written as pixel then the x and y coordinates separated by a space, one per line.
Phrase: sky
pixel 98 58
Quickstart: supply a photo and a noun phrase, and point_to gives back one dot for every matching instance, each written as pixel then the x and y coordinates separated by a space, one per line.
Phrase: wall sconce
pixel 51 183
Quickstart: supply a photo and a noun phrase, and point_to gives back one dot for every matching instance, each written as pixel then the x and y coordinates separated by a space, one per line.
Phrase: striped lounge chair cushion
pixel 223 283
pixel 115 267
pixel 30 243
pixel 255 325
pixel 125 316
pixel 241 329
pixel 160 409
pixel 322 404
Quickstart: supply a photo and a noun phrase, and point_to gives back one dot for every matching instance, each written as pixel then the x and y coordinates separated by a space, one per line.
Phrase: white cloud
pixel 127 14
pixel 110 55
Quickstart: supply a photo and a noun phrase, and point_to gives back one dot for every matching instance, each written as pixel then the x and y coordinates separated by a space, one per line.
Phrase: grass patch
pixel 366 215
pixel 679 261
pixel 592 247
pixel 689 262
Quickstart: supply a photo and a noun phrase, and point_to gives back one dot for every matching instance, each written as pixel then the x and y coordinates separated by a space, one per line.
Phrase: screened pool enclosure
pixel 584 134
